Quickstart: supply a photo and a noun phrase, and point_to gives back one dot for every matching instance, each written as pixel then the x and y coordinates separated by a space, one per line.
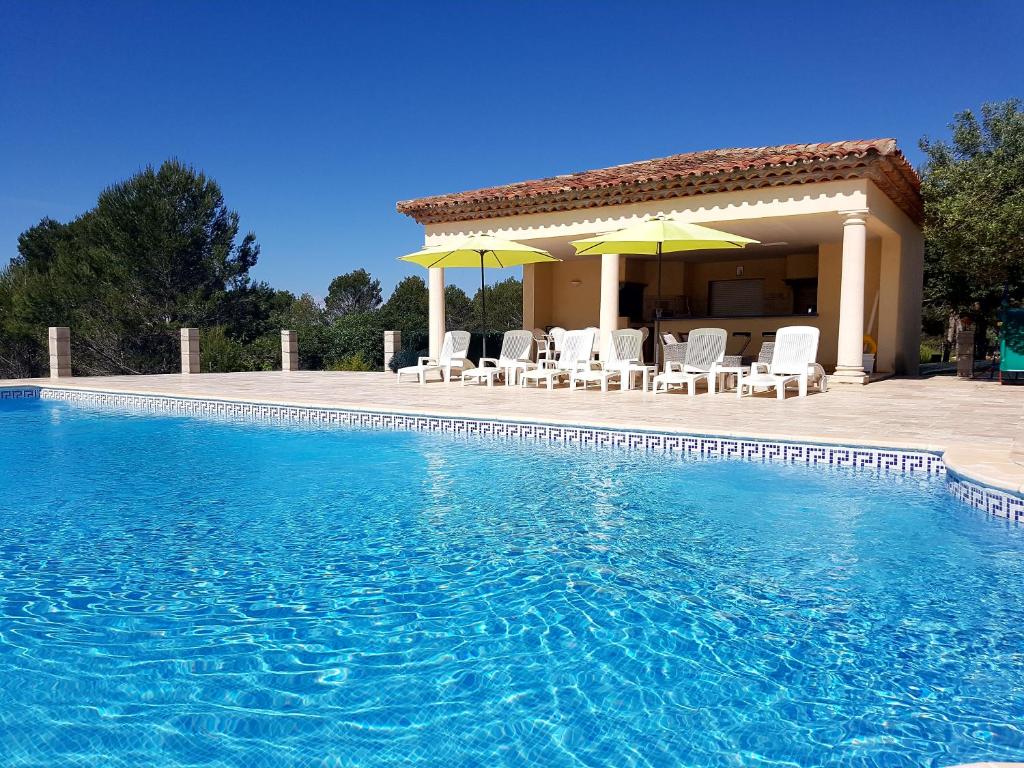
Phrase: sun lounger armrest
pixel 426 361
pixel 484 361
pixel 459 362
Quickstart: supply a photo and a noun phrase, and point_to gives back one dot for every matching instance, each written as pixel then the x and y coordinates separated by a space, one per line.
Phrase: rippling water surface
pixel 181 592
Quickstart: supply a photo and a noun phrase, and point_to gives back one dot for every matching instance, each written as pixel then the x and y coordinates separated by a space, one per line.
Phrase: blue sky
pixel 316 117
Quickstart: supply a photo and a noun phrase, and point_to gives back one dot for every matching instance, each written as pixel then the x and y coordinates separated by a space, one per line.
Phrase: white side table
pixel 725 372
pixel 647 373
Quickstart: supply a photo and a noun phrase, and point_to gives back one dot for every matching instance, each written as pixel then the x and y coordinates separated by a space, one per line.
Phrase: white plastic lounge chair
pixel 793 359
pixel 575 355
pixel 557 333
pixel 596 349
pixel 516 348
pixel 624 358
pixel 705 349
pixel 816 376
pixel 453 357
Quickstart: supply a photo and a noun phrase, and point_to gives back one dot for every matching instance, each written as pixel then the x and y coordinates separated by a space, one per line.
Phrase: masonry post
pixel 289 351
pixel 60 352
pixel 392 344
pixel 190 350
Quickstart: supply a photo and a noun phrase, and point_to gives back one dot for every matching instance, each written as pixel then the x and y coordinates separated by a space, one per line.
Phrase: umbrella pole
pixel 483 303
pixel 657 319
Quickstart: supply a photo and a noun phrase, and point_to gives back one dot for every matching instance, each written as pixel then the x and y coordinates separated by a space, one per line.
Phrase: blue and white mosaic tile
pixel 19 393
pixel 994 501
pixel 906 462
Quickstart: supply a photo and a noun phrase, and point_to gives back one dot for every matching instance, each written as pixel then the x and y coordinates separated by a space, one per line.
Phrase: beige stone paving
pixel 975 422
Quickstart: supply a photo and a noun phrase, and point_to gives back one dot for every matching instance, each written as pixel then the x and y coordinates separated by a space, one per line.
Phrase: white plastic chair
pixel 624 358
pixel 543 343
pixel 453 356
pixel 516 348
pixel 596 348
pixel 816 376
pixel 705 350
pixel 557 333
pixel 575 355
pixel 793 359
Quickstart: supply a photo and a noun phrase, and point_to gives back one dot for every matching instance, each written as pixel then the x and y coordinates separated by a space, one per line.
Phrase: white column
pixel 436 317
pixel 190 350
pixel 60 351
pixel 289 351
pixel 850 350
pixel 609 298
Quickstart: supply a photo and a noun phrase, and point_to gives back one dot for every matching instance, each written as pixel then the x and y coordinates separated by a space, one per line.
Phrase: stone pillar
pixel 850 350
pixel 392 345
pixel 965 354
pixel 435 323
pixel 1017 449
pixel 190 350
pixel 60 352
pixel 609 298
pixel 289 351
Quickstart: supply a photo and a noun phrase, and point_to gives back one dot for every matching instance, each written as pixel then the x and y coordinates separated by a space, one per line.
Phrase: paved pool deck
pixel 978 425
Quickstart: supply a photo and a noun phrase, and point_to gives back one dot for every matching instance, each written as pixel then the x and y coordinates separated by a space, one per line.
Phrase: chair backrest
pixel 557 334
pixel 767 350
pixel 576 348
pixel 625 345
pixel 669 338
pixel 596 349
pixel 704 348
pixel 454 347
pixel 516 346
pixel 539 335
pixel 796 347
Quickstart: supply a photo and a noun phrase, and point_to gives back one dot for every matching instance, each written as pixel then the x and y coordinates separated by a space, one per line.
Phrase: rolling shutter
pixel 735 298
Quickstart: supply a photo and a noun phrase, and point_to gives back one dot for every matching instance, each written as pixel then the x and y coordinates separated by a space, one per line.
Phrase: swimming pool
pixel 182 592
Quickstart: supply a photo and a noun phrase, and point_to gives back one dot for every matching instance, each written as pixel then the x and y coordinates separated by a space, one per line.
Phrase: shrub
pixel 405 358
pixel 219 352
pixel 353 362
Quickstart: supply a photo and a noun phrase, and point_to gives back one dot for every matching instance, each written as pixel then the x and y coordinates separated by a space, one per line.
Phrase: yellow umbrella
pixel 656 236
pixel 479 251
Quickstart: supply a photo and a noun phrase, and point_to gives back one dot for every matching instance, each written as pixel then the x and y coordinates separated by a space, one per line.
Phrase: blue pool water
pixel 182 592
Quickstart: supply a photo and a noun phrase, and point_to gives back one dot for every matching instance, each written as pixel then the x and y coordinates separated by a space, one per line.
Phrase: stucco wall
pixel 559 302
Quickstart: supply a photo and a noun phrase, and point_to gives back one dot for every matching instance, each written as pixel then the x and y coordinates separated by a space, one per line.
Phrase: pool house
pixel 840 247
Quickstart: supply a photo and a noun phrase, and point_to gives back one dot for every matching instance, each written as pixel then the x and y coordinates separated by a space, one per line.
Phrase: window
pixel 735 298
pixel 805 295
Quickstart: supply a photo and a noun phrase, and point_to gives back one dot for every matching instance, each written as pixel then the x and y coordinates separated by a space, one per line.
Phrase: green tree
pixel 458 309
pixel 308 319
pixel 158 252
pixel 973 190
pixel 408 305
pixel 354 291
pixel 504 306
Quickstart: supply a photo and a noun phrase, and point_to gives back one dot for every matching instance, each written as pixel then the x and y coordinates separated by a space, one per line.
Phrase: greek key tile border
pixel 19 393
pixel 993 501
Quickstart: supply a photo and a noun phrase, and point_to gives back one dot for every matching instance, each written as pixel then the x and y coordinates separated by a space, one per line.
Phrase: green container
pixel 1011 345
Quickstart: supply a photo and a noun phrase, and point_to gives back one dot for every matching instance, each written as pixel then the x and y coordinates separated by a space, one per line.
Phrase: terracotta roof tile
pixel 685 174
